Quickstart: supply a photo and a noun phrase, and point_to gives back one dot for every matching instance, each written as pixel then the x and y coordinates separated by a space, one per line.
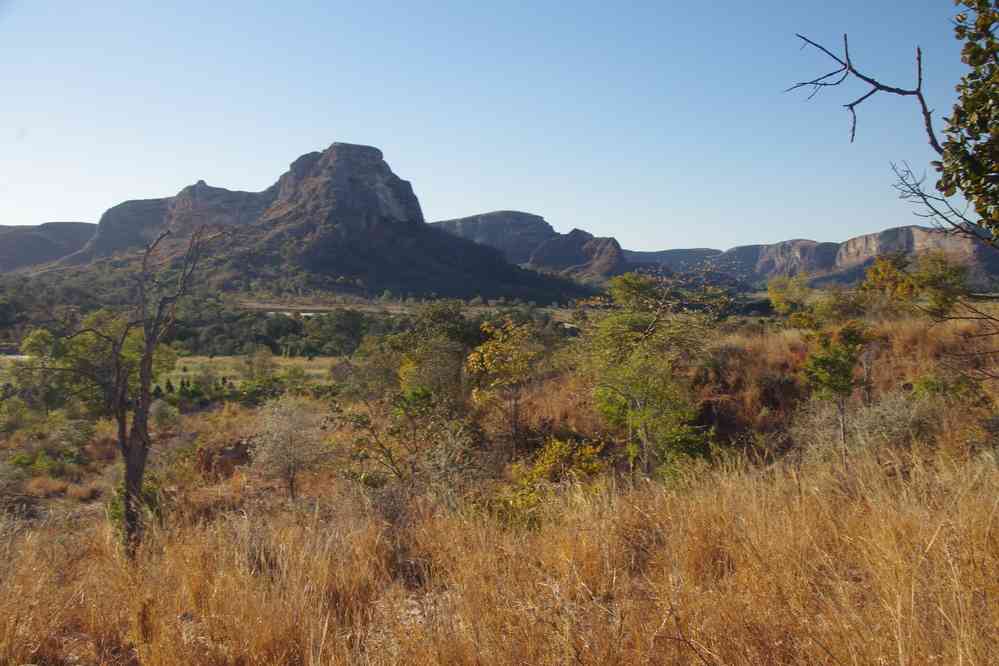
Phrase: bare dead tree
pixel 161 281
pixel 155 312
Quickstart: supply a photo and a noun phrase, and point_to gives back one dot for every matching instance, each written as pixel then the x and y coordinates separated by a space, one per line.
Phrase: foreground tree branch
pixel 847 69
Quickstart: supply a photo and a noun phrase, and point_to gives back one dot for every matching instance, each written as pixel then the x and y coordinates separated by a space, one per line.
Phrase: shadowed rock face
pixel 21 247
pixel 580 254
pixel 133 224
pixel 529 240
pixel 517 235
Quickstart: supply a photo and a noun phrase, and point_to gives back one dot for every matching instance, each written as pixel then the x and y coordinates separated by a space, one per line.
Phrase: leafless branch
pixel 847 69
pixel 937 208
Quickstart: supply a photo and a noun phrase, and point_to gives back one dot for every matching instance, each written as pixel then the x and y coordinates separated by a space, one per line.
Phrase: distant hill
pixel 675 260
pixel 530 241
pixel 21 247
pixel 846 262
pixel 337 219
pixel 340 219
pixel 517 235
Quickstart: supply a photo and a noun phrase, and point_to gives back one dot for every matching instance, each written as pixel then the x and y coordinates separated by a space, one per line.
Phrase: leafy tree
pixel 638 356
pixel 970 156
pixel 889 278
pixel 501 367
pixel 84 365
pixel 944 284
pixel 259 365
pixel 789 294
pixel 831 369
pixel 415 441
pixel 435 365
pixel 932 283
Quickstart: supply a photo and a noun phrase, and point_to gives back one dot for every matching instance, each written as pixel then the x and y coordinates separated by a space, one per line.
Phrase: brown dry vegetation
pixel 887 552
pixel 791 565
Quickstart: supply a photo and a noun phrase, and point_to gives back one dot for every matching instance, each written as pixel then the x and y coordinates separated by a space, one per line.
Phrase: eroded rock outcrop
pixel 529 240
pixel 580 254
pixel 517 235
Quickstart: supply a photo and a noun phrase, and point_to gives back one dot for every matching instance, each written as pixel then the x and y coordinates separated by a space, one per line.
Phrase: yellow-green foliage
pixel 789 294
pixel 505 360
pixel 558 461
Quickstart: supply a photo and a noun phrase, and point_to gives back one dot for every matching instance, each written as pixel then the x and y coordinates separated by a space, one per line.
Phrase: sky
pixel 663 124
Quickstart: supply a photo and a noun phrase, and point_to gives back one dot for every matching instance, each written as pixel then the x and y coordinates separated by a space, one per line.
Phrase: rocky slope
pixel 755 262
pixel 832 262
pixel 517 235
pixel 529 240
pixel 581 255
pixel 336 219
pixel 21 247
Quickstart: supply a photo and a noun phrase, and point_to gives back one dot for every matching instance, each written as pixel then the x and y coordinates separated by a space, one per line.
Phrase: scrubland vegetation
pixel 660 481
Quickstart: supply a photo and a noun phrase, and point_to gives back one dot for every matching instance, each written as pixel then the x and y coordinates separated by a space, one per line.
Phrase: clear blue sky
pixel 663 124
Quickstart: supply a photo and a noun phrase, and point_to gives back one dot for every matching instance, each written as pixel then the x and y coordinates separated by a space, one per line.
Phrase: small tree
pixel 638 358
pixel 502 366
pixel 291 439
pixel 434 365
pixel 259 365
pixel 831 368
pixel 114 356
pixel 789 294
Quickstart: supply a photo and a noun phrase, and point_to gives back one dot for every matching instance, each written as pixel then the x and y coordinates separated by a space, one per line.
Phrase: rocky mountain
pixel 133 224
pixel 580 254
pixel 341 219
pixel 517 235
pixel 761 262
pixel 337 219
pixel 530 241
pixel 21 247
pixel 835 262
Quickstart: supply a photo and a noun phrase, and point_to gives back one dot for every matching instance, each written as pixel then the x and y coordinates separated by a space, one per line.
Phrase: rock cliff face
pixel 133 224
pixel 348 186
pixel 21 247
pixel 529 240
pixel 517 235
pixel 784 258
pixel 336 218
pixel 834 262
pixel 580 254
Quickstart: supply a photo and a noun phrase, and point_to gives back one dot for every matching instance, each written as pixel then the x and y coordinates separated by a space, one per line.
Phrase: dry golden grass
pixel 45 486
pixel 866 563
